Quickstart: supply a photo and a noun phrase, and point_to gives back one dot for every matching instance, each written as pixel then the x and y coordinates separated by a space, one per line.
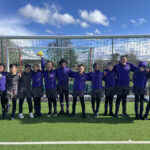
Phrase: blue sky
pixel 74 17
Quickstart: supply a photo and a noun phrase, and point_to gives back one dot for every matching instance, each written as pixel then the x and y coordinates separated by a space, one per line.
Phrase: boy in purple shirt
pixel 63 73
pixel 37 89
pixel 123 78
pixel 50 85
pixel 78 88
pixel 97 90
pixel 140 78
pixel 110 88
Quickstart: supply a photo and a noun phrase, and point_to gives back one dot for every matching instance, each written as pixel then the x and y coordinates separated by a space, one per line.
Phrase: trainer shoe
pixel 49 114
pixel 21 116
pixel 55 114
pixel 31 115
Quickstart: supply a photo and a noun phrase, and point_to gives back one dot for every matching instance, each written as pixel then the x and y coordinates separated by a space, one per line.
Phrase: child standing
pixel 25 91
pixel 63 74
pixel 37 89
pixel 140 78
pixel 110 88
pixel 78 89
pixel 97 90
pixel 4 101
pixel 50 85
pixel 12 84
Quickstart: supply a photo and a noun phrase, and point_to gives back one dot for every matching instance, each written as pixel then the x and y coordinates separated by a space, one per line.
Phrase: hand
pixel 147 70
pixel 19 74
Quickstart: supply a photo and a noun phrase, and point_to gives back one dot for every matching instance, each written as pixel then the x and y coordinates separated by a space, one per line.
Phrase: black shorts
pixel 110 91
pixel 137 90
pixel 63 90
pixel 37 92
pixel 97 93
pixel 22 93
pixel 11 93
pixel 123 90
pixel 78 93
pixel 51 93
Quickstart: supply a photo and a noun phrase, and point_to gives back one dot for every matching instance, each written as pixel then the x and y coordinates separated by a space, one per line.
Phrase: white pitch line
pixel 74 142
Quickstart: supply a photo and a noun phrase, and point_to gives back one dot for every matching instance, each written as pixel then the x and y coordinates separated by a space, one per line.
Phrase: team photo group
pixel 29 85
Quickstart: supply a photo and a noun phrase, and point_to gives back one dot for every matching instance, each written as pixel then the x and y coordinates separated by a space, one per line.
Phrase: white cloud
pixel 13 26
pixel 123 26
pixel 95 17
pixel 97 31
pixel 138 21
pixel 50 14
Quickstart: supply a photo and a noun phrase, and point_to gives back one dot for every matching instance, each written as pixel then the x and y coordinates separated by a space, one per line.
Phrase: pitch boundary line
pixel 74 142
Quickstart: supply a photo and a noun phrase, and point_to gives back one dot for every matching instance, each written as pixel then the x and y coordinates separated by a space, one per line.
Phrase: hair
pixel 26 66
pixel 13 65
pixel 95 65
pixel 62 61
pixel 110 63
pixel 123 56
pixel 1 64
pixel 36 65
pixel 81 65
pixel 50 62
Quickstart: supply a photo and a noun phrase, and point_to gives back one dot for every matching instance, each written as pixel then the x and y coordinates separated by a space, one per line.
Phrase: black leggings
pixel 50 101
pixel 82 104
pixel 124 101
pixel 147 109
pixel 97 102
pixel 4 102
pixel 14 100
pixel 37 105
pixel 62 100
pixel 29 101
pixel 137 98
pixel 109 99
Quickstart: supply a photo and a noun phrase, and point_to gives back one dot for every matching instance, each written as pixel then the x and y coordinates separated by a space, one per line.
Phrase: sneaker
pixel 72 114
pixel 96 115
pixel 67 113
pixel 61 113
pixel 49 114
pixel 83 115
pixel 105 113
pixel 116 115
pixel 31 115
pixel 55 114
pixel 39 114
pixel 21 116
pixel 111 114
pixel 125 115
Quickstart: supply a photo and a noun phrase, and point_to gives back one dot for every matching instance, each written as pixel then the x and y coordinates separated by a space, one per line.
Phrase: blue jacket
pixel 123 72
pixel 49 76
pixel 63 75
pixel 79 81
pixel 110 78
pixel 97 79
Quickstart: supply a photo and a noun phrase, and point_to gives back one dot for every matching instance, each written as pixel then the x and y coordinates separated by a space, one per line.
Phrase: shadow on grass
pixel 76 119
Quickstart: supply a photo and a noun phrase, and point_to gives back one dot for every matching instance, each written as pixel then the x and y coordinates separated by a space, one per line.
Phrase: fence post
pixel 112 44
pixel 7 57
pixel 2 50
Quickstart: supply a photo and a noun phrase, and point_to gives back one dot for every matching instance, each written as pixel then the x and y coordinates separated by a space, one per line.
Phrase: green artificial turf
pixel 63 128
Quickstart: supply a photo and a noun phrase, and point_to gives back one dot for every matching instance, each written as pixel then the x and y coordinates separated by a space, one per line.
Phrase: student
pixel 4 101
pixel 25 91
pixel 122 77
pixel 12 83
pixel 37 89
pixel 50 85
pixel 97 90
pixel 78 89
pixel 110 88
pixel 63 74
pixel 140 78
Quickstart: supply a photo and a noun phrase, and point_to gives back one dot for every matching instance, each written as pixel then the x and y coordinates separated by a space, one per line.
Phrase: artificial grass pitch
pixel 64 128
